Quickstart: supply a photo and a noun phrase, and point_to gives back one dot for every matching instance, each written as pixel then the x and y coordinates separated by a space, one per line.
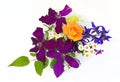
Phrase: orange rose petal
pixel 73 31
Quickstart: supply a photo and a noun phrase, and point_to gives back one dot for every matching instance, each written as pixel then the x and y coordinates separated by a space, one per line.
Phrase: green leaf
pixel 39 67
pixel 46 63
pixel 73 19
pixel 72 54
pixel 52 63
pixel 46 35
pixel 33 54
pixel 21 61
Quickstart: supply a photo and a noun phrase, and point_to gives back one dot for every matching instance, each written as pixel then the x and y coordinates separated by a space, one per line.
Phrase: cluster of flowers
pixel 65 38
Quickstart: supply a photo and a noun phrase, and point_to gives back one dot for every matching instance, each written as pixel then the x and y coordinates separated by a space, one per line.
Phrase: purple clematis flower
pixel 57 18
pixel 37 41
pixel 41 45
pixel 61 55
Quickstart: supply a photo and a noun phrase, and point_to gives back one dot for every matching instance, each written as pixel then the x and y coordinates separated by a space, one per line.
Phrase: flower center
pixel 39 44
pixel 58 16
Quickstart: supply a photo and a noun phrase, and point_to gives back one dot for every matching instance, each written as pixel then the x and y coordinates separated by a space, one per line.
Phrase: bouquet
pixel 62 43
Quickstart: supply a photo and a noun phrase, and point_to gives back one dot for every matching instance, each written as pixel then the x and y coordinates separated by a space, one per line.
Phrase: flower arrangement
pixel 62 42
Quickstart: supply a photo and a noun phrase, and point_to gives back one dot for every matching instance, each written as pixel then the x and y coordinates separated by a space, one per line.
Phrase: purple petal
pixel 98 51
pixel 63 20
pixel 108 37
pixel 50 44
pixel 67 46
pixel 47 19
pixel 53 54
pixel 71 61
pixel 35 49
pixel 93 25
pixel 38 33
pixel 65 11
pixel 34 40
pixel 52 13
pixel 60 45
pixel 58 27
pixel 58 67
pixel 41 55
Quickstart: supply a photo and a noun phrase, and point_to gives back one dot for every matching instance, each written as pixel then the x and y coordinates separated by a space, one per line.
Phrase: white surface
pixel 19 18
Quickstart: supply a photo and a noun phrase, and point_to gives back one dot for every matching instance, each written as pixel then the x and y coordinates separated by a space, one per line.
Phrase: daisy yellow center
pixel 87 55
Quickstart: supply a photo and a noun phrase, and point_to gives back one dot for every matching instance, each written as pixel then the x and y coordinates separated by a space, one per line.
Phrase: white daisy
pixel 87 54
pixel 91 51
pixel 80 47
pixel 86 47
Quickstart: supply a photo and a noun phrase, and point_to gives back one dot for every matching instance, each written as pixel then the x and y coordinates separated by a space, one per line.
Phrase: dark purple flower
pixel 39 35
pixel 98 51
pixel 63 48
pixel 41 45
pixel 37 41
pixel 54 17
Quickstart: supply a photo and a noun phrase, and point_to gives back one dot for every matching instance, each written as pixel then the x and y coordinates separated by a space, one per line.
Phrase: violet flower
pixel 57 18
pixel 41 45
pixel 98 51
pixel 61 55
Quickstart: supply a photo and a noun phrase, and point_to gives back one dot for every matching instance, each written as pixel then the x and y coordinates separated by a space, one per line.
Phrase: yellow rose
pixel 73 31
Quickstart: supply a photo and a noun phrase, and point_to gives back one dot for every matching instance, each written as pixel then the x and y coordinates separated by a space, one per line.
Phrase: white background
pixel 19 18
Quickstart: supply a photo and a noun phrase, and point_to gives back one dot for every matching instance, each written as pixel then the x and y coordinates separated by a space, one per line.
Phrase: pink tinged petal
pixel 41 55
pixel 72 62
pixel 38 33
pixel 53 54
pixel 58 67
pixel 50 44
pixel 47 19
pixel 34 49
pixel 65 11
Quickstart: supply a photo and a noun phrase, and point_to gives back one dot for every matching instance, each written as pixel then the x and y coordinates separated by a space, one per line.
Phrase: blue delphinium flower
pixel 101 34
pixel 98 34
